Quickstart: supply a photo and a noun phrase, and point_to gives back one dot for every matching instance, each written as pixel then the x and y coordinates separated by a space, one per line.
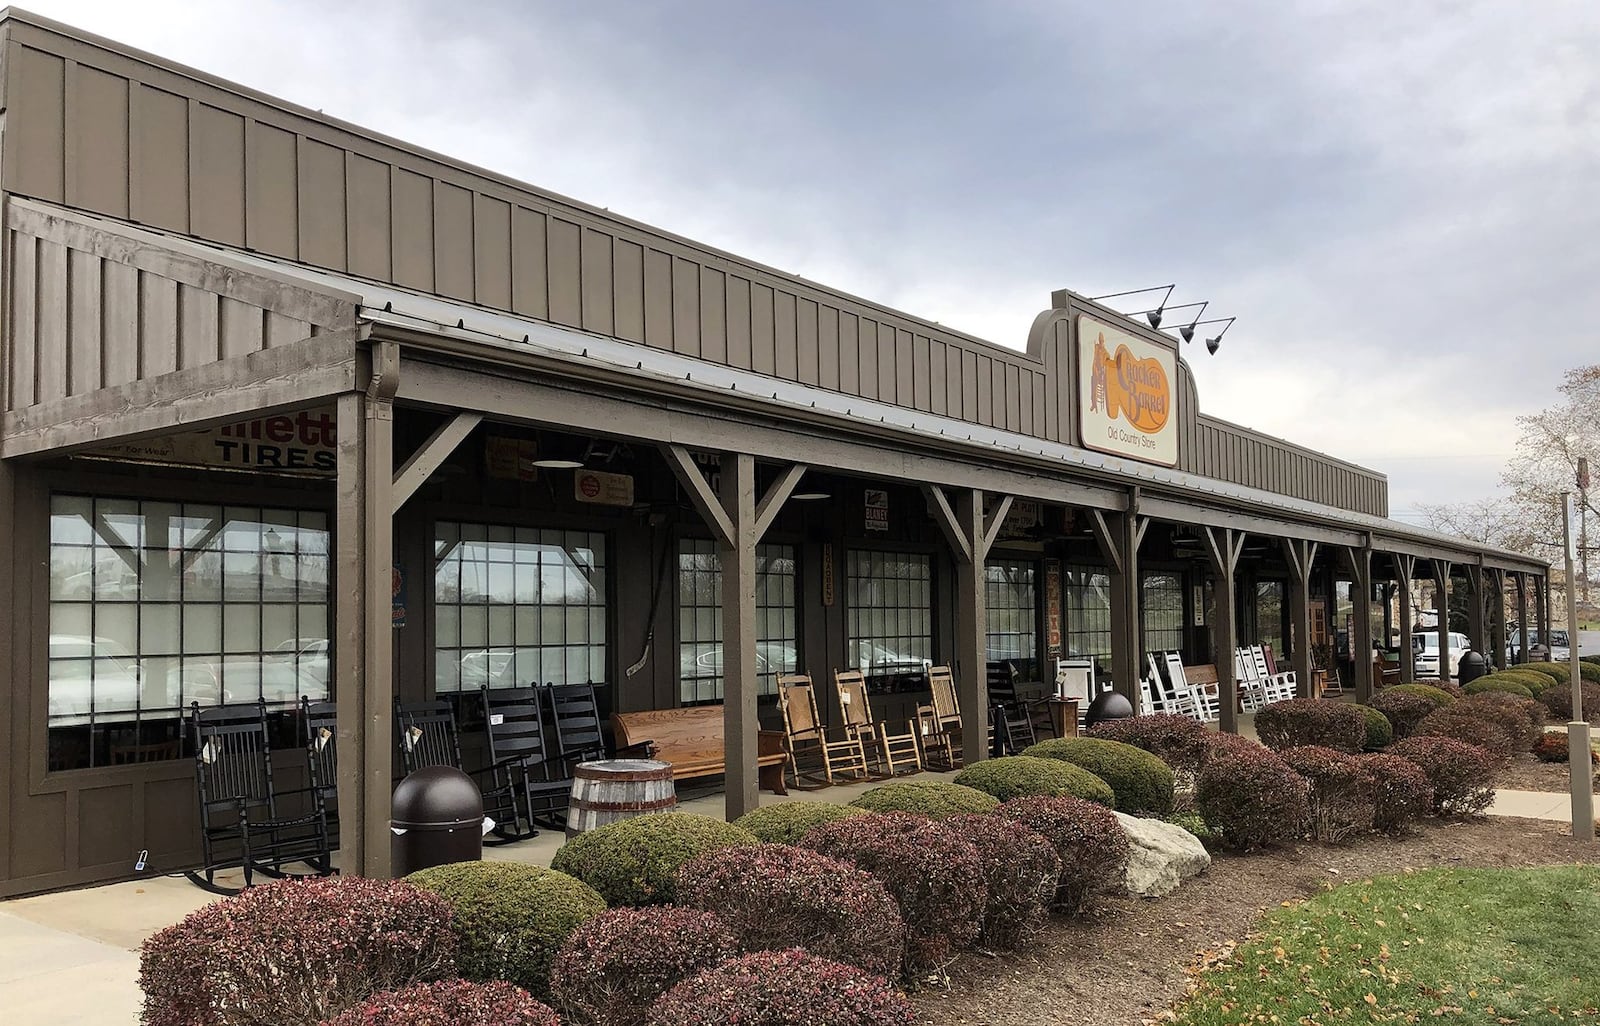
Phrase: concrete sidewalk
pixel 1551 805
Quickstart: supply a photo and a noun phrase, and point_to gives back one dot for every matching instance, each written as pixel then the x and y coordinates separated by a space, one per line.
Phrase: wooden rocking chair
pixel 890 751
pixel 940 721
pixel 806 735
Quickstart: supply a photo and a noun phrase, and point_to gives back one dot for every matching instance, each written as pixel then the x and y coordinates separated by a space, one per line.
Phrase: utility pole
pixel 1581 772
pixel 1583 540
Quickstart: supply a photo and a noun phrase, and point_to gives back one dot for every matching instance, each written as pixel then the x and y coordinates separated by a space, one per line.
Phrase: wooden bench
pixel 690 741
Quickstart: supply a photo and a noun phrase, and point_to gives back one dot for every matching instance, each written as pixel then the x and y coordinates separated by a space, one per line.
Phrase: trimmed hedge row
pixel 1138 783
pixel 926 798
pixel 1027 775
pixel 1312 721
pixel 636 861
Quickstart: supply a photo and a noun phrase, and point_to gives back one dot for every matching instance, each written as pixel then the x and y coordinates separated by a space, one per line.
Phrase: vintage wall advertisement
pixel 304 442
pixel 1127 391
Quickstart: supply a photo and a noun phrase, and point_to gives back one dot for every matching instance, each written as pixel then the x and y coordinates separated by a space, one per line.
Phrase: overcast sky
pixel 1400 202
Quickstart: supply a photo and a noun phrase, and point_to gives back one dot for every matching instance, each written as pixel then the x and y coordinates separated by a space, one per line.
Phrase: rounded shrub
pixel 1589 671
pixel 511 917
pixel 1432 692
pixel 1533 680
pixel 1471 727
pixel 1552 746
pixel 1020 872
pixel 925 798
pixel 776 896
pixel 617 964
pixel 1404 710
pixel 1021 776
pixel 1401 794
pixel 1252 799
pixel 1196 825
pixel 782 988
pixel 1559 671
pixel 1220 743
pixel 787 822
pixel 1521 718
pixel 1340 799
pixel 636 861
pixel 931 872
pixel 296 952
pixel 1498 682
pixel 1140 783
pixel 1558 700
pixel 1461 775
pixel 1178 741
pixel 1091 844
pixel 1380 732
pixel 450 1001
pixel 1312 721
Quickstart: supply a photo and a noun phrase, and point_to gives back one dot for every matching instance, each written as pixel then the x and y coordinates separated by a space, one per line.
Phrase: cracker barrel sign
pixel 1126 394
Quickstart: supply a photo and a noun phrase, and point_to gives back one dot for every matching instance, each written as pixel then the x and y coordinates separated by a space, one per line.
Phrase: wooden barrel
pixel 614 789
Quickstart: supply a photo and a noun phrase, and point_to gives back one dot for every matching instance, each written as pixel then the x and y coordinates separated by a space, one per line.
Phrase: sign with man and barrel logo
pixel 1126 394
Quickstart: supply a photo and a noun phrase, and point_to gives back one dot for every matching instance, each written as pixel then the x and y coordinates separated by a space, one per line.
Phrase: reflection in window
pixel 1010 617
pixel 1269 617
pixel 1087 596
pixel 154 605
pixel 1161 604
pixel 700 619
pixel 890 611
pixel 515 606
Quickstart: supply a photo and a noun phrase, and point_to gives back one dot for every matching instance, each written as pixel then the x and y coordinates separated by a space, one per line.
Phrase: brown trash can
pixel 609 790
pixel 437 820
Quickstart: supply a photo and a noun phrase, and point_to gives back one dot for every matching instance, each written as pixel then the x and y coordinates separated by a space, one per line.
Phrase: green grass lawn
pixel 1441 946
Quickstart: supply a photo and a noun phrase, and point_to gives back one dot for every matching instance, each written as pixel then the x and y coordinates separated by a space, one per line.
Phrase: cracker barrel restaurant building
pixel 292 410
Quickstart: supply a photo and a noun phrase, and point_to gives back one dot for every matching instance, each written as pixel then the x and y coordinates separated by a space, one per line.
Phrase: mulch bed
pixel 1127 962
pixel 1525 773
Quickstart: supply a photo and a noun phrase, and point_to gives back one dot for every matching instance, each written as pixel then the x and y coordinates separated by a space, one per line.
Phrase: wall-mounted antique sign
pixel 1127 390
pixel 300 443
pixel 510 459
pixel 877 509
pixel 600 487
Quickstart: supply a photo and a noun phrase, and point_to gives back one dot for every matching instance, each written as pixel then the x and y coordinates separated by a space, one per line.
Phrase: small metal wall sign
pixel 602 488
pixel 510 459
pixel 827 574
pixel 877 509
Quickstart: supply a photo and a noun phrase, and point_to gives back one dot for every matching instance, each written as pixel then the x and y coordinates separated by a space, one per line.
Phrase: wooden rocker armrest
pixel 278 824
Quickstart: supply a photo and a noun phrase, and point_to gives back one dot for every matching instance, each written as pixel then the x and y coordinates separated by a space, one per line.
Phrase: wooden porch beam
pixel 257 385
pixel 1405 570
pixel 1223 547
pixel 939 508
pixel 706 502
pixel 430 455
pixel 997 520
pixel 771 504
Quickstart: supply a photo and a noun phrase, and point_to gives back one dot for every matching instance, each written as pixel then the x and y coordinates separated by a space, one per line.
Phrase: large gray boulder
pixel 1163 855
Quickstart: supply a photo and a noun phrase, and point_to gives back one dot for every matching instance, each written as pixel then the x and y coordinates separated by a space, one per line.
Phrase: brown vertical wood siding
pixel 109 132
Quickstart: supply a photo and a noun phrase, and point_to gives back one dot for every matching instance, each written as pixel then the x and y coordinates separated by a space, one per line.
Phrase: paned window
pixel 515 606
pixel 1011 613
pixel 1087 595
pixel 158 605
pixel 700 666
pixel 1269 616
pixel 890 611
pixel 1161 603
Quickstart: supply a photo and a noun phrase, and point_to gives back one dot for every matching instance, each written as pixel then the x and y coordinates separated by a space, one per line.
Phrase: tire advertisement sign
pixel 303 442
pixel 1127 389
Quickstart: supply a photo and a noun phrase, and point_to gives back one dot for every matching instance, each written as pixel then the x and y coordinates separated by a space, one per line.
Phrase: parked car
pixel 1426 648
pixel 90 674
pixel 1559 646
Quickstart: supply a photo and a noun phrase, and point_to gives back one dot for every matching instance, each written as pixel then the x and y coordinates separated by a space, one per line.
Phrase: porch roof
pixel 495 336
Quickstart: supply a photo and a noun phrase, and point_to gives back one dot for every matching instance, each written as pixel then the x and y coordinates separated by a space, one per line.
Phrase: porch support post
pixel 1522 617
pixel 737 558
pixel 1441 602
pixel 10 656
pixel 1405 568
pixel 738 520
pixel 1497 617
pixel 1361 600
pixel 363 646
pixel 1223 545
pixel 1119 536
pixel 1475 628
pixel 971 534
pixel 1300 555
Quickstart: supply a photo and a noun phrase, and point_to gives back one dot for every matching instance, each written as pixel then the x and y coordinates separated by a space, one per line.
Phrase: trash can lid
pixel 437 798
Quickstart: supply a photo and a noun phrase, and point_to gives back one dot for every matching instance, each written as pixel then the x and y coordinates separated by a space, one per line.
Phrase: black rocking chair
pixel 1013 727
pixel 513 721
pixel 576 714
pixel 428 736
pixel 320 723
pixel 240 823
